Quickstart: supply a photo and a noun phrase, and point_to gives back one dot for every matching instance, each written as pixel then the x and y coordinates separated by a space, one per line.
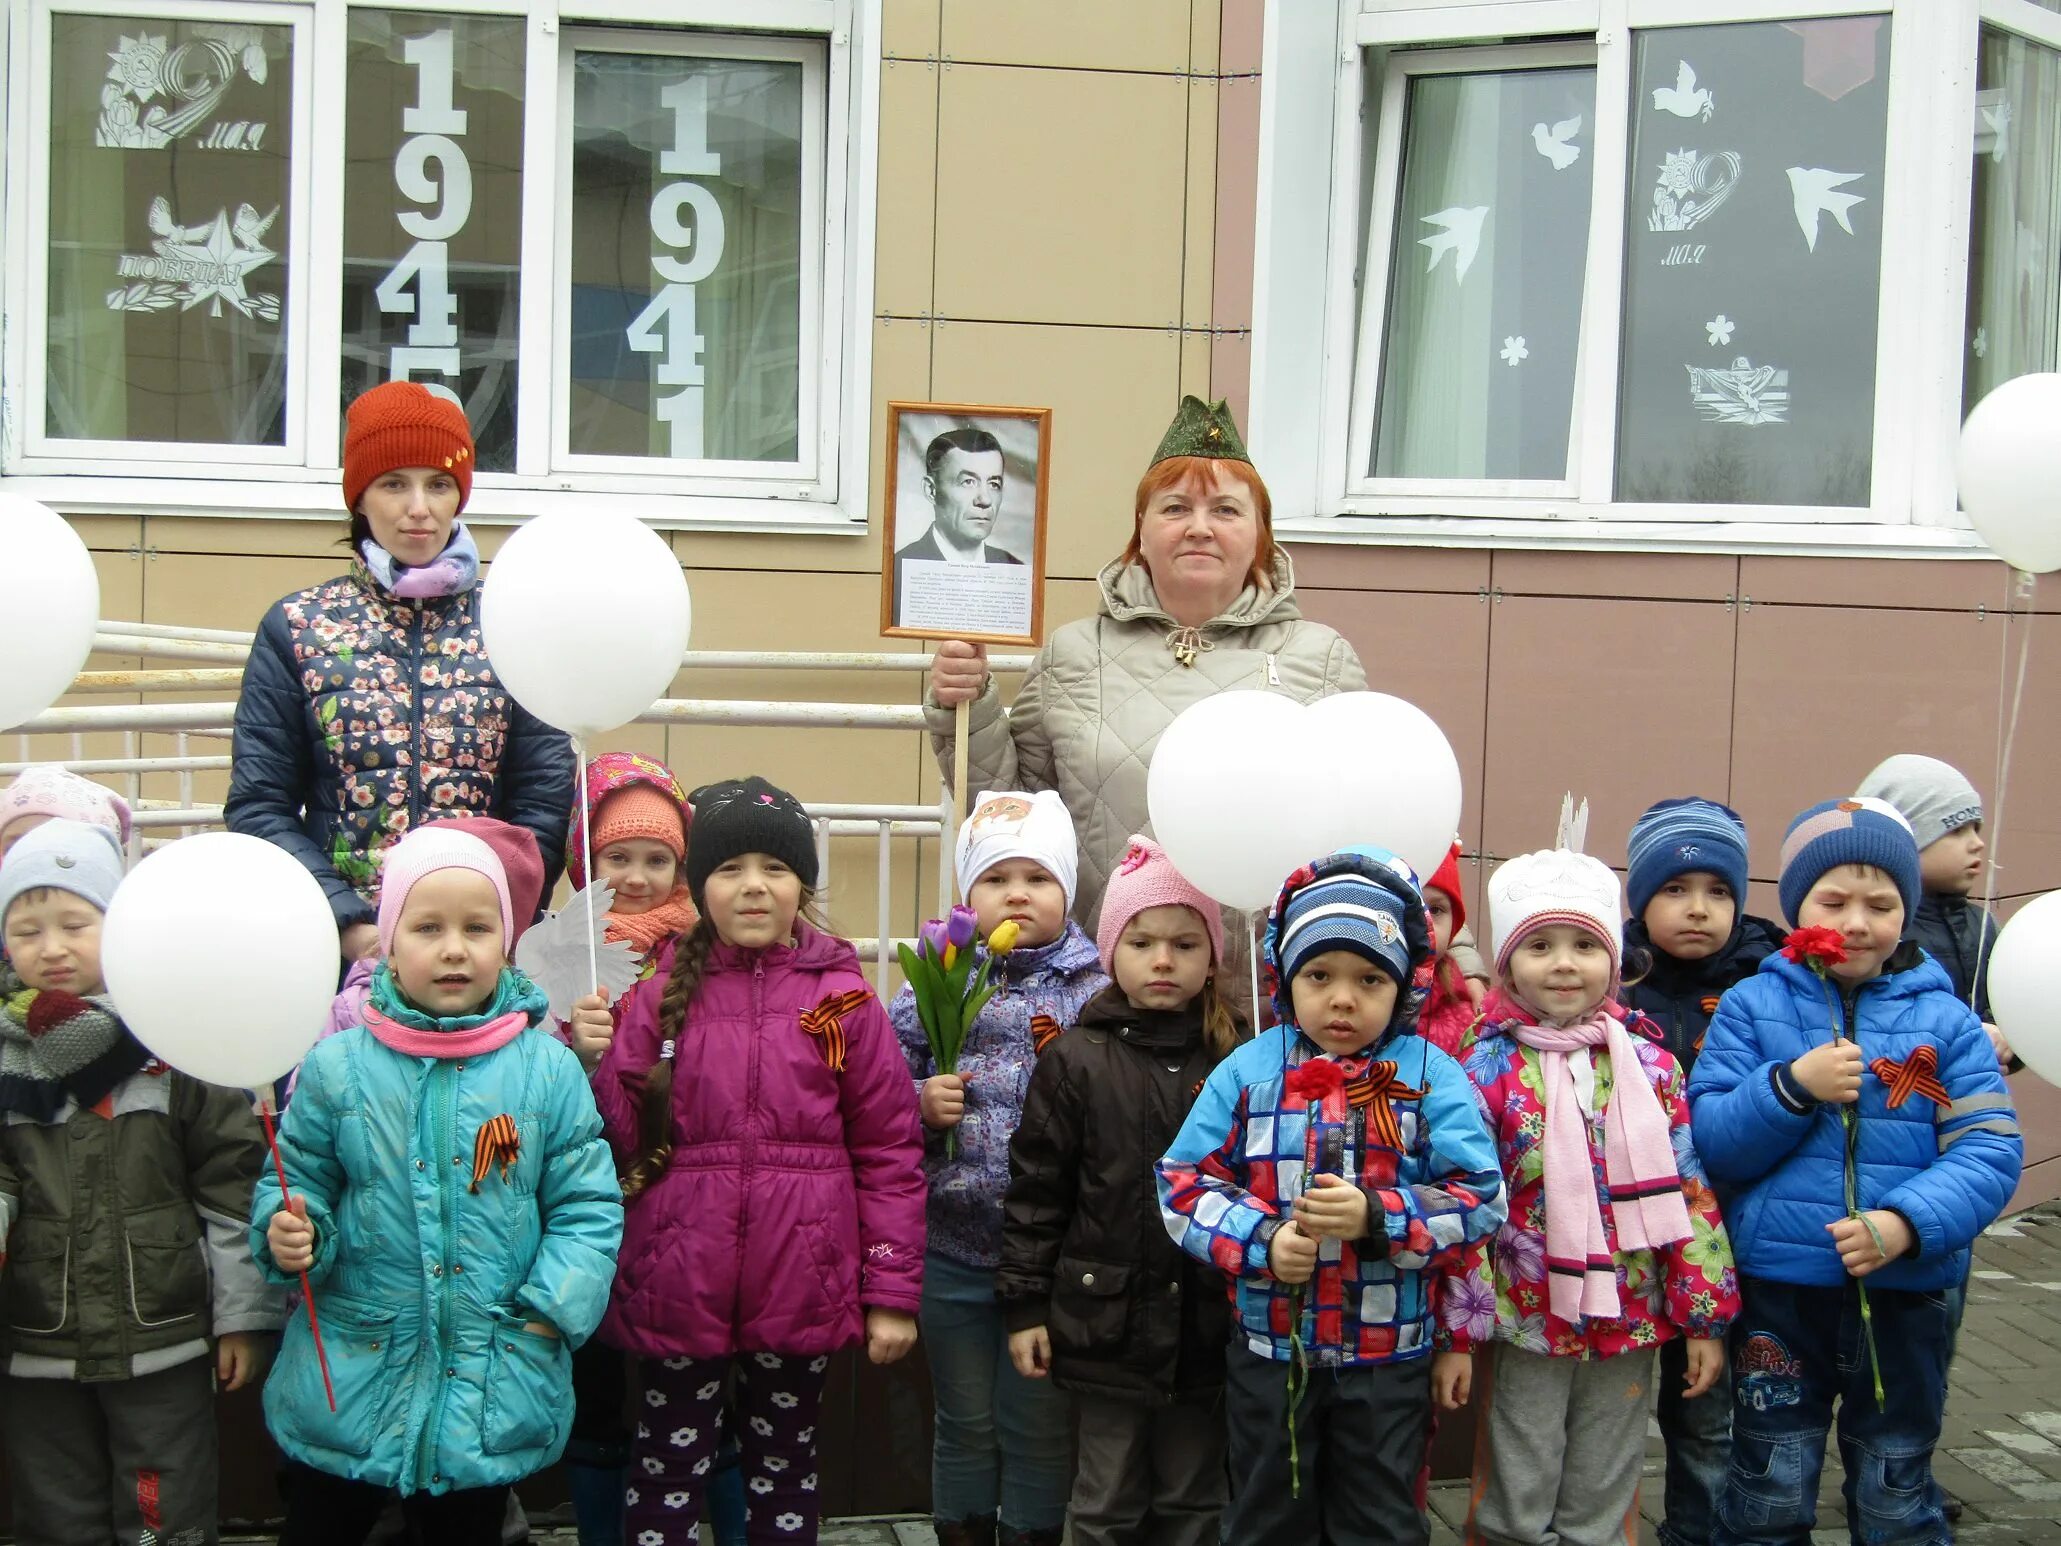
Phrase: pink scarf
pixel 482 1038
pixel 1638 1165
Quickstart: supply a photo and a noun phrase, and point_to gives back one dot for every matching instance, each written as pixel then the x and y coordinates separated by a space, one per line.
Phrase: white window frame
pixel 1308 404
pixel 824 490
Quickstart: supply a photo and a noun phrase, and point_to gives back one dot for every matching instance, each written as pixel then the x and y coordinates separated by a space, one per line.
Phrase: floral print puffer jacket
pixel 363 714
pixel 1498 1290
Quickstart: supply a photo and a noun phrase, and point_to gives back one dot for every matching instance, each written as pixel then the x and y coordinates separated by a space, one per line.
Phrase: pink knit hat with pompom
pixel 1144 878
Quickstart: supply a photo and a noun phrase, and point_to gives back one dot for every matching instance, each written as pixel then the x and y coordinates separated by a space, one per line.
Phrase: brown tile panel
pixel 1432 650
pixel 2039 1117
pixel 1237 196
pixel 909 29
pixel 1621 702
pixel 1242 33
pixel 1321 566
pixel 1946 584
pixel 1083 34
pixel 1060 193
pixel 1660 577
pixel 904 259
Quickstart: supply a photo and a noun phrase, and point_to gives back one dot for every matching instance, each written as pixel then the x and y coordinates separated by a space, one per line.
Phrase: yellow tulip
pixel 951 954
pixel 1003 939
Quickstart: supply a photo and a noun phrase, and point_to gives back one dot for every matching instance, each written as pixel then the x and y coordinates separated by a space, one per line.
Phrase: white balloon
pixel 585 618
pixel 2025 985
pixel 220 952
pixel 1232 802
pixel 2010 468
pixel 1394 781
pixel 53 606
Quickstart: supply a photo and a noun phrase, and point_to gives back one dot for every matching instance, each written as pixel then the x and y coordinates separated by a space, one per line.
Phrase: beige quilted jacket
pixel 1101 691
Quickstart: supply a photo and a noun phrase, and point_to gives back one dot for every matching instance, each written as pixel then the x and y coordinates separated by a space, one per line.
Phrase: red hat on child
pixel 404 424
pixel 1446 878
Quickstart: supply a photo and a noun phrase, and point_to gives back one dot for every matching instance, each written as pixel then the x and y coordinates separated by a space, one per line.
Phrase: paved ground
pixel 2002 1450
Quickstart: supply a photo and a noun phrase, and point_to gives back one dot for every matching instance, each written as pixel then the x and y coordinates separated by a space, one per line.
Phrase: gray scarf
pixel 56 1046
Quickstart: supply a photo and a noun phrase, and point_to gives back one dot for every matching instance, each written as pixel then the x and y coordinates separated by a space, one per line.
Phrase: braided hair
pixel 654 1105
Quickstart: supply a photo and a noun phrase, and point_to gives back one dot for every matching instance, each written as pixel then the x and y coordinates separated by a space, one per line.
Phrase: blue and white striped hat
pixel 1363 900
pixel 1676 837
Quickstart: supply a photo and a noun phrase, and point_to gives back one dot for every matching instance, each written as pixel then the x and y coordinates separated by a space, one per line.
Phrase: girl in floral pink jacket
pixel 1613 1244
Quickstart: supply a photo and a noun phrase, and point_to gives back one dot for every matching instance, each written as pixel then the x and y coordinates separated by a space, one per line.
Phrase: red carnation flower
pixel 1314 1079
pixel 1816 947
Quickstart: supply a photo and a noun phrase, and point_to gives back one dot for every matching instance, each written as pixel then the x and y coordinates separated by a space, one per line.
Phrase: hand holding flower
pixel 1871 1240
pixel 1292 1257
pixel 1831 1072
pixel 944 1101
pixel 1334 1209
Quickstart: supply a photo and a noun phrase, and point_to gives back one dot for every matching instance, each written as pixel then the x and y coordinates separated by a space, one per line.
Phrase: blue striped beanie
pixel 1856 830
pixel 1680 837
pixel 1345 908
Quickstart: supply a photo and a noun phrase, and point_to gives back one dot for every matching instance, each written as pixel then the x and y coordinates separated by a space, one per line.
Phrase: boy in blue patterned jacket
pixel 1852 1107
pixel 1326 1168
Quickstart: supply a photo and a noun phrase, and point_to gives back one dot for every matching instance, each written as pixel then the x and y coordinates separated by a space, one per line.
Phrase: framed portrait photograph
pixel 963 539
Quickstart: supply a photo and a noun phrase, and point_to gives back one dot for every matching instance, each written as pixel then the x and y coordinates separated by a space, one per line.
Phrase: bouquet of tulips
pixel 949 991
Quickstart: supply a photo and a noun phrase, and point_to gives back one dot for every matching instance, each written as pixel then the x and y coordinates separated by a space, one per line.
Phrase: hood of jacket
pixel 1128 596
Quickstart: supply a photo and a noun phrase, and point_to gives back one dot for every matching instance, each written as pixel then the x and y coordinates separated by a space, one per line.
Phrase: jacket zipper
pixel 446 1207
pixel 751 1105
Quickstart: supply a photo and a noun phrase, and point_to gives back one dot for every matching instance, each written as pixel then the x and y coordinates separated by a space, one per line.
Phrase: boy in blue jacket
pixel 1873 1058
pixel 1327 1166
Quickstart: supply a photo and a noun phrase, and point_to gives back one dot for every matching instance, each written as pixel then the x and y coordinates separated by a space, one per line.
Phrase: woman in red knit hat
pixel 369 704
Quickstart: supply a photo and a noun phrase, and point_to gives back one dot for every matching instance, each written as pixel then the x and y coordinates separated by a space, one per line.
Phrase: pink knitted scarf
pixel 1638 1165
pixel 482 1038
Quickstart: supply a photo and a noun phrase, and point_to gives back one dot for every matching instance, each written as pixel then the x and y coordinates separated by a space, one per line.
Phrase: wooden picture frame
pixel 990 485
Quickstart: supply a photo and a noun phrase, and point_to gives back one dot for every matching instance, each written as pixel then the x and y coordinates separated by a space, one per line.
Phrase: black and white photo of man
pixel 963 478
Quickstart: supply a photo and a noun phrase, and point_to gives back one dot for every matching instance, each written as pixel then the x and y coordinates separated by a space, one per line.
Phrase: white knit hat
pixel 1554 886
pixel 1013 824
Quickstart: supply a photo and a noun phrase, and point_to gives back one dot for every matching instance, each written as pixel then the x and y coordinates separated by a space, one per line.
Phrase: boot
pixel 976 1531
pixel 1008 1537
pixel 597 1501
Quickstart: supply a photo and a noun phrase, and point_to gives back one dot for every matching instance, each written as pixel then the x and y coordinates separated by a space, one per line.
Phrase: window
pixel 1668 268
pixel 620 242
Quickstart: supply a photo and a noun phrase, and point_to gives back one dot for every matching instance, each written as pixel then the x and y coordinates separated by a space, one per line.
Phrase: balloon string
pixel 307 1289
pixel 1252 964
pixel 587 853
pixel 2022 585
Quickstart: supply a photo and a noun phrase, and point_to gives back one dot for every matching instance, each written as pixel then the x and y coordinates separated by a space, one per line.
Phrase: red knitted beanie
pixel 404 424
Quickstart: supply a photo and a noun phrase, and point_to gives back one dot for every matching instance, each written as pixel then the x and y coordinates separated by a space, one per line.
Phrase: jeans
pixel 1698 1435
pixel 1797 1353
pixel 1003 1442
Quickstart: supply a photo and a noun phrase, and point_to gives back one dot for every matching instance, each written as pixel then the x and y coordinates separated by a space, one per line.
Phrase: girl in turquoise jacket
pixel 456 1212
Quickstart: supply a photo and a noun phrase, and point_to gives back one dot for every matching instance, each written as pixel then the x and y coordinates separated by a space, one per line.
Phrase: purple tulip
pixel 959 928
pixel 933 936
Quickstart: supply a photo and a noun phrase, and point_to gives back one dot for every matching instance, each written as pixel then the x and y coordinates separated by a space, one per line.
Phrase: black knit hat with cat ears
pixel 747 816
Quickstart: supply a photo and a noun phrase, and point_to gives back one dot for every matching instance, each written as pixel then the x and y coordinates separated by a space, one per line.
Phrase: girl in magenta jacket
pixel 764 1122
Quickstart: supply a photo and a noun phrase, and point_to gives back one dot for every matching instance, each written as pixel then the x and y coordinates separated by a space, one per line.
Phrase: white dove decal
pixel 1998 121
pixel 1552 143
pixel 1812 188
pixel 1684 99
pixel 563 956
pixel 1459 232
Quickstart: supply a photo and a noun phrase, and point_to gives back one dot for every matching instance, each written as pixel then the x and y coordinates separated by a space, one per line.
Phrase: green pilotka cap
pixel 1202 429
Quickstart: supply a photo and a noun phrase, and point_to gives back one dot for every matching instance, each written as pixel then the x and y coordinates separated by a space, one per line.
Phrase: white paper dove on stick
pixel 563 957
pixel 1574 824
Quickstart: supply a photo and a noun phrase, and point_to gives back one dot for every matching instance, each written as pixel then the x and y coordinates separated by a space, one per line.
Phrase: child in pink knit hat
pixel 1142 1350
pixel 43 791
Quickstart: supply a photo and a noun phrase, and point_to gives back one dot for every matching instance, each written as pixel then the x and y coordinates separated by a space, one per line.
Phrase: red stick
pixel 307 1292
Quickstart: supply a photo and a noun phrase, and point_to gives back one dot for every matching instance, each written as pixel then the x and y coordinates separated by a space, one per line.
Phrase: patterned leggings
pixel 778 1399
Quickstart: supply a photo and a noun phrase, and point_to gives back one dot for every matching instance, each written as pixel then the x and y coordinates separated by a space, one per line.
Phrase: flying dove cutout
pixel 1553 143
pixel 1812 188
pixel 1684 98
pixel 554 953
pixel 1459 232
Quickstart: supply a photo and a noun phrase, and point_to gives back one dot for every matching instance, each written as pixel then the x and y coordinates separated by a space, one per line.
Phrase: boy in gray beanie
pixel 1945 813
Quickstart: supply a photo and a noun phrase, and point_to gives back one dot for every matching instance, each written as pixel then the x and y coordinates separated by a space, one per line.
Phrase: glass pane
pixel 1753 263
pixel 686 257
pixel 1485 287
pixel 168 229
pixel 2014 232
pixel 433 212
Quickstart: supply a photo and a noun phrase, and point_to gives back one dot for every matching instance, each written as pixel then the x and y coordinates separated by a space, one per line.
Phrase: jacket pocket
pixel 37 1280
pixel 359 1339
pixel 529 1383
pixel 1091 1305
pixel 168 1277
